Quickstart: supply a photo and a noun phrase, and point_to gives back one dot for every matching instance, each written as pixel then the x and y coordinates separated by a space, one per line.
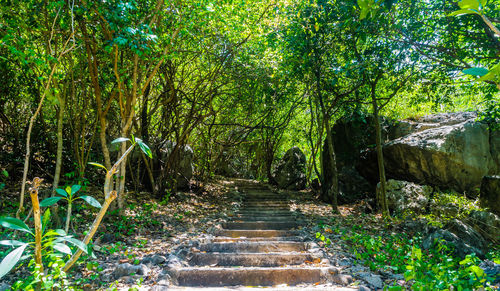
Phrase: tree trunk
pixel 333 184
pixel 381 193
pixel 57 173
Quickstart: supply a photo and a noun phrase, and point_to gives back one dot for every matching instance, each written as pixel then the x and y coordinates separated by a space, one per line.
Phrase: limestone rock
pixel 486 223
pixel 403 196
pixel 126 269
pixel 290 171
pixel 183 163
pixel 490 193
pixel 451 156
pixel 462 237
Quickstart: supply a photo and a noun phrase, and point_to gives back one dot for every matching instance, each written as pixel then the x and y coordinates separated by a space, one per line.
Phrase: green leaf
pixel 476 71
pixel 14 223
pixel 144 148
pixel 62 248
pixel 45 220
pixel 75 188
pixel 462 12
pixel 91 200
pixel 61 192
pixel 78 243
pixel 11 260
pixel 5 173
pixel 49 201
pixel 98 165
pixel 120 139
pixel 13 243
pixel 469 4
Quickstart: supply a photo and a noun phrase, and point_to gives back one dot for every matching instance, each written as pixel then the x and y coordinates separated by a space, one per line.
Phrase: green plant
pixel 69 194
pixel 3 176
pixel 51 240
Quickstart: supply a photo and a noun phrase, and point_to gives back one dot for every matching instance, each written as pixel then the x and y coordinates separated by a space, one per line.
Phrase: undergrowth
pixel 433 269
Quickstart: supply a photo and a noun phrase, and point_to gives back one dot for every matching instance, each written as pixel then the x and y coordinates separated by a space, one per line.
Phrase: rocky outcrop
pixel 486 223
pixel 181 164
pixel 462 238
pixel 490 193
pixel 449 150
pixel 290 171
pixel 403 196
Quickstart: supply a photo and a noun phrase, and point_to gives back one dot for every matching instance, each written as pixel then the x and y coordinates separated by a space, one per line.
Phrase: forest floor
pixel 154 229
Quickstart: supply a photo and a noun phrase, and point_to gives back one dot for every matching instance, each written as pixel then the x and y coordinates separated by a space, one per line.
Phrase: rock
pixel 154 260
pixel 364 288
pixel 463 238
pixel 182 161
pixel 290 171
pixel 107 238
pixel 452 151
pixel 127 269
pixel 403 196
pixel 490 193
pixel 373 280
pixel 485 223
pixel 4 287
pixel 352 186
pixel 491 269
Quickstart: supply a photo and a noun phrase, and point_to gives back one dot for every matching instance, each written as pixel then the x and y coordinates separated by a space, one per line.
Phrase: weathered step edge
pixel 270 276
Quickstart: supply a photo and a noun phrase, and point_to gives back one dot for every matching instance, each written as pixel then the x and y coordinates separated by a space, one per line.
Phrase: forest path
pixel 259 247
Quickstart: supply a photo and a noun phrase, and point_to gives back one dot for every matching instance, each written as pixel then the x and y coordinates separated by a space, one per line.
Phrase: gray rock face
pixel 183 162
pixel 373 280
pixel 490 193
pixel 449 150
pixel 290 171
pixel 403 196
pixel 462 237
pixel 486 223
pixel 127 269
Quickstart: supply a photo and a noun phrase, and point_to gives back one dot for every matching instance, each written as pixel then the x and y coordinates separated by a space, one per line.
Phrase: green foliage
pixel 53 241
pixel 434 269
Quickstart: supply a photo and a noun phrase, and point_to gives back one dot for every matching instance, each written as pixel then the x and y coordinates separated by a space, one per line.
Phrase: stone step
pixel 264 208
pixel 263 212
pixel 254 247
pixel 254 233
pixel 256 225
pixel 265 204
pixel 245 218
pixel 250 260
pixel 255 239
pixel 213 277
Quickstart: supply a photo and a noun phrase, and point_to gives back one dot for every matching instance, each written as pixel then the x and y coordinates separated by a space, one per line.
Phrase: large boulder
pixel 447 150
pixel 490 193
pixel 461 237
pixel 403 196
pixel 486 223
pixel 290 171
pixel 180 161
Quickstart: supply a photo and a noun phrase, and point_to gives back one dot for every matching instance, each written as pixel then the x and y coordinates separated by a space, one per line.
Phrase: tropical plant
pixel 51 240
pixel 68 194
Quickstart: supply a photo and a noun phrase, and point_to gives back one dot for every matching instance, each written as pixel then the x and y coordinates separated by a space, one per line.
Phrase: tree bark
pixel 381 192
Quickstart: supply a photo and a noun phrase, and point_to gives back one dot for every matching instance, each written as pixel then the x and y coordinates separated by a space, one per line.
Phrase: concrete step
pixel 255 239
pixel 267 212
pixel 254 247
pixel 264 208
pixel 254 233
pixel 265 204
pixel 213 277
pixel 245 218
pixel 256 225
pixel 250 260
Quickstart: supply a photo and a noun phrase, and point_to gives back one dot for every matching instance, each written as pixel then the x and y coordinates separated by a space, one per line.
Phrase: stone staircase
pixel 260 246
